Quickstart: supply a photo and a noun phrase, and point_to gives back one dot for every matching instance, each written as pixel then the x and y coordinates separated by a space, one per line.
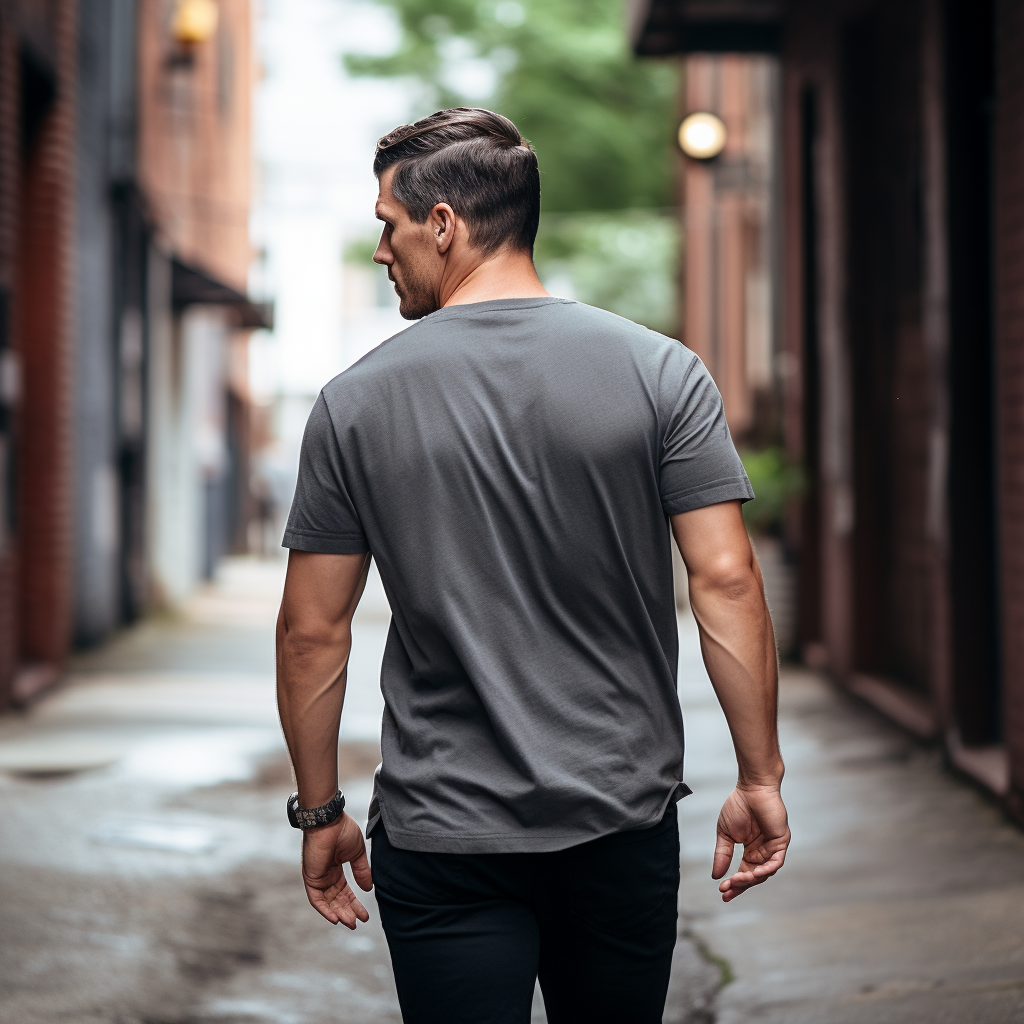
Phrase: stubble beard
pixel 416 297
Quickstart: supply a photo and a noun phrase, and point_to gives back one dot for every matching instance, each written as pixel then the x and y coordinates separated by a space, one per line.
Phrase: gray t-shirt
pixel 511 466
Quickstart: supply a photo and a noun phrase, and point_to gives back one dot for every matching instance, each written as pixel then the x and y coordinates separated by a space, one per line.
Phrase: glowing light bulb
pixel 702 136
pixel 194 21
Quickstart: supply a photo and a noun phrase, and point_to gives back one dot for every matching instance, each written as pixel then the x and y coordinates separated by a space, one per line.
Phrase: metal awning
pixel 663 27
pixel 192 286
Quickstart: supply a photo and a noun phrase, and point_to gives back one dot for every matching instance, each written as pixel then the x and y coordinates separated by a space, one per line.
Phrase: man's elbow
pixel 303 640
pixel 729 578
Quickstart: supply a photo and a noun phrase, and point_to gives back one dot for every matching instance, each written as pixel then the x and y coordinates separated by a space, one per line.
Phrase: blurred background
pixel 825 200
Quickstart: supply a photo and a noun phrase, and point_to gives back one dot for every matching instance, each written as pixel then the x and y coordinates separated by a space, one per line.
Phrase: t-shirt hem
pixel 325 543
pixel 732 489
pixel 526 841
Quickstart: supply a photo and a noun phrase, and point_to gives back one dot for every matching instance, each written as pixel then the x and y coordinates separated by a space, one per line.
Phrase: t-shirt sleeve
pixel 323 517
pixel 699 463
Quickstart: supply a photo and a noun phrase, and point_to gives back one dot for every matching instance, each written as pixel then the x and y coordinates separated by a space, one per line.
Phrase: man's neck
pixel 504 275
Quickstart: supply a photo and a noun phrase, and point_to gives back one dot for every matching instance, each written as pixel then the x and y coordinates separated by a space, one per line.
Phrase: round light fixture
pixel 702 136
pixel 194 21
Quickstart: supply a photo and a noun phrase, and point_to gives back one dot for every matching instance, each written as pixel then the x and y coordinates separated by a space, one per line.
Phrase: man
pixel 514 462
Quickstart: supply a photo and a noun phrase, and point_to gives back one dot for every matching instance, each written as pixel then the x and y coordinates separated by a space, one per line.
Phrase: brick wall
pixel 36 226
pixel 45 292
pixel 194 154
pixel 1009 314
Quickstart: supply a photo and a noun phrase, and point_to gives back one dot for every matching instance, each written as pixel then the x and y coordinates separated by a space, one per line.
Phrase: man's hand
pixel 756 817
pixel 325 851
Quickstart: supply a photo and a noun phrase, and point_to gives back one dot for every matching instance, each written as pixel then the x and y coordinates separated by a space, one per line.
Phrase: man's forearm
pixel 738 645
pixel 314 637
pixel 311 677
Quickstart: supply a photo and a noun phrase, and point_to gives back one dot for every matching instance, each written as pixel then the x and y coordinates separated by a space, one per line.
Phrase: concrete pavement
pixel 902 899
pixel 147 875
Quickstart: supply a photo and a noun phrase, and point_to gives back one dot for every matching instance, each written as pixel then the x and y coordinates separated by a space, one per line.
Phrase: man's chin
pixel 409 309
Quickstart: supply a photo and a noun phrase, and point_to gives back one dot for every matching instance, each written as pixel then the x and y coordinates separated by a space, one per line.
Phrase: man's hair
pixel 475 161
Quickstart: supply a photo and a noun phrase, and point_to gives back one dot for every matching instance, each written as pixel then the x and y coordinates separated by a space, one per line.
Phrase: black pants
pixel 470 933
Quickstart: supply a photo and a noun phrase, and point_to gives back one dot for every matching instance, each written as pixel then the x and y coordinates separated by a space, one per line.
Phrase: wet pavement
pixel 902 898
pixel 147 875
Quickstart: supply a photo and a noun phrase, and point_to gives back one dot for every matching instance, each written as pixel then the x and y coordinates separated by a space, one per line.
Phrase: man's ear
pixel 442 221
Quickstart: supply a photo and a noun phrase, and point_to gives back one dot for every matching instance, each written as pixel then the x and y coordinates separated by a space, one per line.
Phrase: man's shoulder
pixel 657 352
pixel 611 323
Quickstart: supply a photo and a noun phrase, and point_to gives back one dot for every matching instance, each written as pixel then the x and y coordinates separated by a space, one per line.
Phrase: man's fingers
pixel 319 903
pixel 737 885
pixel 771 865
pixel 340 910
pixel 349 909
pixel 337 903
pixel 742 880
pixel 724 850
pixel 361 872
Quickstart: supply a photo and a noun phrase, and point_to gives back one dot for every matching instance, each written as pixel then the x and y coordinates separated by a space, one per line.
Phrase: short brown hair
pixel 474 160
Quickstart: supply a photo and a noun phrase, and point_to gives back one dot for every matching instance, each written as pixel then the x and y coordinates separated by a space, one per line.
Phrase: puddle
pixel 255 1009
pixel 200 758
pixel 48 756
pixel 155 835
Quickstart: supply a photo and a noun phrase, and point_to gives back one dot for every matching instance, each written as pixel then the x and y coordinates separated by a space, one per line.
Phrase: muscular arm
pixel 314 637
pixel 738 644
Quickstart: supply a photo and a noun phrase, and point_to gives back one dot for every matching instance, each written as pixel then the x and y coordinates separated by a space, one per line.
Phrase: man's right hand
pixel 756 817
pixel 325 852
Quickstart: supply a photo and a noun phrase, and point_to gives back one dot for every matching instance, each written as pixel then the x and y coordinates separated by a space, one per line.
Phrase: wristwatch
pixel 314 817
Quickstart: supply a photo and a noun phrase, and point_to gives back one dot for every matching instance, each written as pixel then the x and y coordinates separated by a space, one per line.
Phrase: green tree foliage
pixel 624 261
pixel 600 120
pixel 775 481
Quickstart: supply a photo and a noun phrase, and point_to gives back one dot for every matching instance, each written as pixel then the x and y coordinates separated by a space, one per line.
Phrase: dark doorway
pixel 887 357
pixel 131 348
pixel 969 111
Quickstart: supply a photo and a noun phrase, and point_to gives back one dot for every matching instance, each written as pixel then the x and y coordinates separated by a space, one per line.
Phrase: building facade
pixel 730 279
pixel 124 416
pixel 903 309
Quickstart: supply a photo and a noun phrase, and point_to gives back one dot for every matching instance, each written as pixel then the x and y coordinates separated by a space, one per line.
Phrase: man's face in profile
pixel 409 251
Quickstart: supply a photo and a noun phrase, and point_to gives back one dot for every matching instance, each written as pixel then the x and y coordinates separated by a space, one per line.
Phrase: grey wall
pixel 106 149
pixel 97 595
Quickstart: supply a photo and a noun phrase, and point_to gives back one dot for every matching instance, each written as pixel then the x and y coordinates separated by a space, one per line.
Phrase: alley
pixel 148 876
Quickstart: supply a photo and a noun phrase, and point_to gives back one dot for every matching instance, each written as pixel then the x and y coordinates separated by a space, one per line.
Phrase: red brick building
pixel 903 310
pixel 37 141
pixel 124 415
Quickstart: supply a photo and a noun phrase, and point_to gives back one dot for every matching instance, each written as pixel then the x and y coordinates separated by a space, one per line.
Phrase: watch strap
pixel 314 817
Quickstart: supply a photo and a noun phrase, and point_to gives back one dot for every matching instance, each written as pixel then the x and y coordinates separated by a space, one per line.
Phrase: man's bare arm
pixel 314 637
pixel 738 644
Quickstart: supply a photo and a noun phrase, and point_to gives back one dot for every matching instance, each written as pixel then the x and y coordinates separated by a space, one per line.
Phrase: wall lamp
pixel 194 21
pixel 702 135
